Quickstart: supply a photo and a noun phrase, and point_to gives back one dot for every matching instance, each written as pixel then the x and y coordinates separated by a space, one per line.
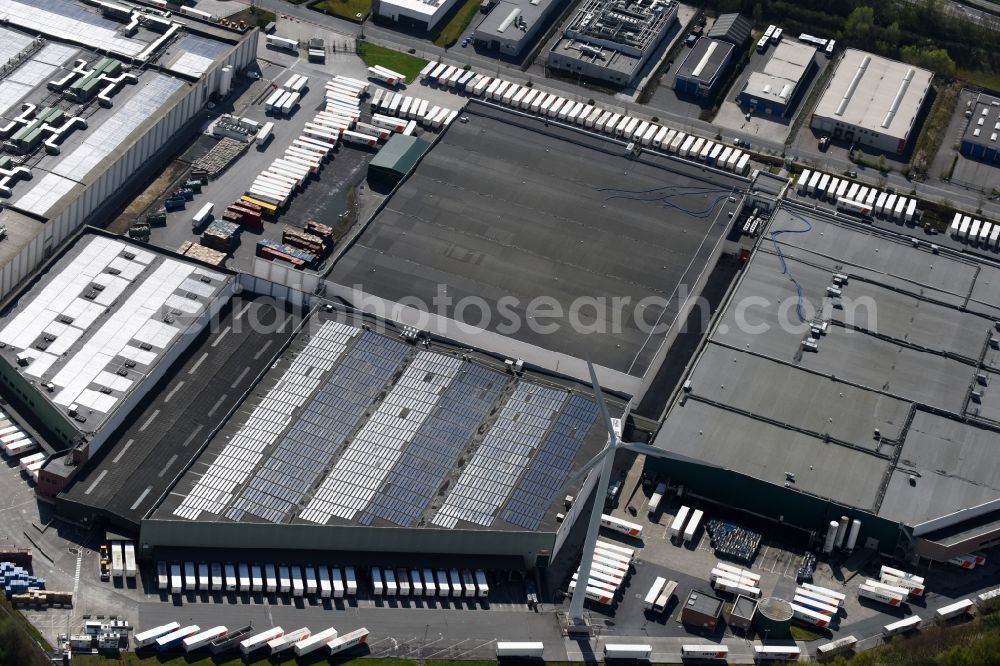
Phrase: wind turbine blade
pixel 599 396
pixel 580 475
pixel 646 449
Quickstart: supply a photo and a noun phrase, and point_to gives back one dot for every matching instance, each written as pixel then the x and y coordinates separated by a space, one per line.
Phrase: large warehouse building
pixel 91 336
pixel 981 139
pixel 873 101
pixel 452 242
pixel 358 435
pixel 86 106
pixel 843 377
pixel 773 90
pixel 611 41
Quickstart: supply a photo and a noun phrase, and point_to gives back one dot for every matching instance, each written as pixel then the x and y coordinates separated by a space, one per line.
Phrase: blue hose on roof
pixel 799 309
pixel 670 193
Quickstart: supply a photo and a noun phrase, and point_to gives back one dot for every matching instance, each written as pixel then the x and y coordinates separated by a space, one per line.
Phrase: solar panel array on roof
pixel 551 466
pixel 504 454
pixel 327 420
pixel 234 464
pixel 366 463
pixel 434 450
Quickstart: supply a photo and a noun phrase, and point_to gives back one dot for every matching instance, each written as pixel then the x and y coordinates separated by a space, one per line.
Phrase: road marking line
pixel 261 351
pixel 240 378
pixel 122 452
pixel 243 311
pixel 225 331
pixel 149 420
pixel 197 364
pixel 167 466
pixel 96 481
pixel 141 497
pixel 76 580
pixel 217 403
pixel 174 390
pixel 192 435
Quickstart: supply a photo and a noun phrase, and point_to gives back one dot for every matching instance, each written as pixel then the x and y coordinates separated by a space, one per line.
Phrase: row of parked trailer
pixel 687 532
pixel 762 653
pixel 123 560
pixel 857 198
pixel 983 233
pixel 173 636
pixel 520 650
pixel 386 75
pixel 610 567
pixel 424 583
pixel 312 580
pixel 736 581
pixel 816 606
pixel 285 99
pixel 969 560
pixel 590 116
pixel 16 443
pixel 387 104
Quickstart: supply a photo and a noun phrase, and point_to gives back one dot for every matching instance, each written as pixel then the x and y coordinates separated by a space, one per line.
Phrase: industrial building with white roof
pixel 420 14
pixel 873 101
pixel 513 25
pixel 90 337
pixel 772 91
pixel 877 404
pixel 86 100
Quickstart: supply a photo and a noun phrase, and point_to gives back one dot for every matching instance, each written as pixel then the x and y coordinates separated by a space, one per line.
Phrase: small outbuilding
pixel 396 159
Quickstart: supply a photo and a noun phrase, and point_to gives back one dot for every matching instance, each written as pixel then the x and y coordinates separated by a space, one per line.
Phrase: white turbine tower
pixel 606 458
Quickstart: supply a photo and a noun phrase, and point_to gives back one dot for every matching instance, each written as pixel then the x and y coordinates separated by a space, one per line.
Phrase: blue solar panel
pixel 436 446
pixel 312 442
pixel 551 465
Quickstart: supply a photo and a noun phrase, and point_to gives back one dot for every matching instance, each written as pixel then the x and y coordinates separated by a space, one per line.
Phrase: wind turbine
pixel 606 458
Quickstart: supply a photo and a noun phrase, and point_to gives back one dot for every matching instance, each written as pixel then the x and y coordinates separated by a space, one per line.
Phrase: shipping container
pixel 720 574
pixel 838 646
pixel 258 641
pixel 203 638
pixel 378 587
pixel 456 583
pixel 598 595
pixel 520 650
pixel 815 605
pixel 173 639
pixel 823 599
pixel 894 589
pixel 284 579
pixel 149 636
pixel 677 526
pixel 312 587
pixel 776 652
pixel 623 526
pixel 216 578
pixel 637 651
pixel 963 607
pixel 315 642
pixel 281 43
pixel 350 582
pixel 270 579
pixel 654 592
pixel 598 583
pixel 852 206
pixel 347 641
pixel 339 588
pixel 386 76
pixel 436 73
pixel 256 579
pixel 704 651
pixel 444 590
pixel 416 584
pixel 176 580
pixel 733 587
pixel 880 595
pixel 901 626
pixel 430 589
pixel 243 577
pixel 666 594
pixel 426 71
pixel 693 525
pixel 468 584
pixel 232 582
pixel 162 578
pixel 325 588
pixel 914 588
pixel 686 146
pixel 287 641
pixel 117 553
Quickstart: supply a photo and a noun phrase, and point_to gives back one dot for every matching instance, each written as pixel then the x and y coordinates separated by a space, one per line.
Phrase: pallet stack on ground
pixel 203 254
pixel 221 236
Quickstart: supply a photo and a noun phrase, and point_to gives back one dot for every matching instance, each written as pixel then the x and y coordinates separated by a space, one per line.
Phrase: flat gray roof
pixel 898 357
pixel 354 426
pixel 505 12
pixel 877 94
pixel 984 124
pixel 505 207
pixel 96 323
pixel 705 60
pixel 788 64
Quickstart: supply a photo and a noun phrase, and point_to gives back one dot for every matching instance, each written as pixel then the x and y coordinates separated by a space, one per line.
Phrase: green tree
pixel 934 59
pixel 859 24
pixel 882 165
pixel 729 6
pixel 15 646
